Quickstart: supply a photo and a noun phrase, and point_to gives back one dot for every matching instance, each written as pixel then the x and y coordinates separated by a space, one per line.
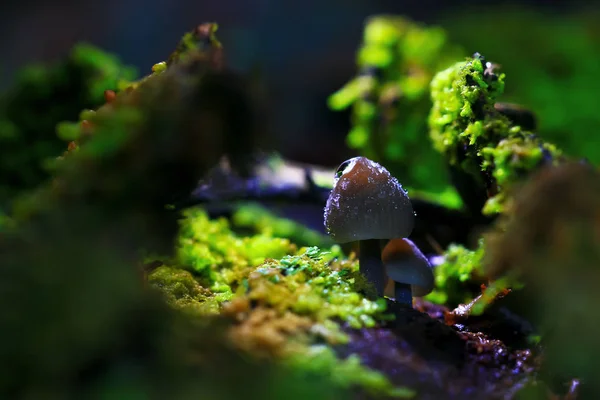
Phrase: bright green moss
pixel 460 267
pixel 348 373
pixel 259 219
pixel 475 137
pixel 458 92
pixel 314 283
pixel 310 291
pixel 547 71
pixel 271 271
pixel 211 250
pixel 389 96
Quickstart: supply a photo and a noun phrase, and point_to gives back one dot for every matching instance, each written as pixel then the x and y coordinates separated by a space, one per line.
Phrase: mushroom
pixel 367 204
pixel 409 269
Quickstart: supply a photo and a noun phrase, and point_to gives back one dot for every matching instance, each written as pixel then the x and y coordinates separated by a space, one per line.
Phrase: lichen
pixel 389 96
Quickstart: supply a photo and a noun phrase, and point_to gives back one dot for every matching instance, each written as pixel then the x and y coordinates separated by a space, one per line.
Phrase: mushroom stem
pixel 403 293
pixel 370 264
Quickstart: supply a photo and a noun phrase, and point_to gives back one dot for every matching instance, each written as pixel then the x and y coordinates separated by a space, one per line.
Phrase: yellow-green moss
pixel 314 283
pixel 283 300
pixel 211 250
pixel 271 271
pixel 184 292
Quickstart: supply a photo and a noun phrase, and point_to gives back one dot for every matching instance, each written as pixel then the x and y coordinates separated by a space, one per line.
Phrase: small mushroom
pixel 409 269
pixel 368 204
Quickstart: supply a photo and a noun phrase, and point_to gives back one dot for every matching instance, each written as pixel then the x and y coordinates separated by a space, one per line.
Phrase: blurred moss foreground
pixel 42 96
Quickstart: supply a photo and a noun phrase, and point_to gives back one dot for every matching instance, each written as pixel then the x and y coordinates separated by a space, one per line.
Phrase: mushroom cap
pixel 404 263
pixel 367 202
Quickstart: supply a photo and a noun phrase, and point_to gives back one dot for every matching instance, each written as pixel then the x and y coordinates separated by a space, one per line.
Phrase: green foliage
pixel 42 96
pixel 475 137
pixel 390 101
pixel 553 67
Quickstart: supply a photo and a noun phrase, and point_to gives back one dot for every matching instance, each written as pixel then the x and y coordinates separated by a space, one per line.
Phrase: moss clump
pixel 547 72
pixel 285 306
pixel 212 251
pixel 316 284
pixel 271 271
pixel 259 219
pixel 396 62
pixel 282 300
pixel 461 267
pixel 41 97
pixel 347 373
pixel 475 137
pixel 183 291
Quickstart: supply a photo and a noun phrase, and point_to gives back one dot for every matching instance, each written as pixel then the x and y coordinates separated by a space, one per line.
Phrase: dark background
pixel 303 49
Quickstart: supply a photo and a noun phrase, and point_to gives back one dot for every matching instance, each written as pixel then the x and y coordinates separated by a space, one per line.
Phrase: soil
pixel 440 361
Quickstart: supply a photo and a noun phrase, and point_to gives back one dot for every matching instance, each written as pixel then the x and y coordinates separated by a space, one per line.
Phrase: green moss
pixel 396 62
pixel 475 137
pixel 270 271
pixel 547 71
pixel 41 97
pixel 348 373
pixel 282 297
pixel 211 250
pixel 259 219
pixel 184 292
pixel 460 267
pixel 316 284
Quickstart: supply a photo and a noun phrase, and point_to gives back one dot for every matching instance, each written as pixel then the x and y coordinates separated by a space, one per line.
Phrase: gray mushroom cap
pixel 405 263
pixel 367 202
